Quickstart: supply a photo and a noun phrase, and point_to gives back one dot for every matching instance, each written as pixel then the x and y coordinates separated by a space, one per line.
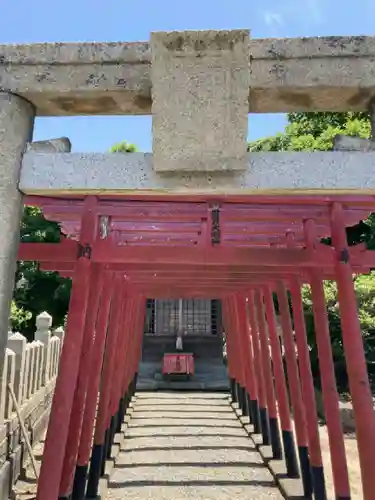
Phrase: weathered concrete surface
pixel 16 127
pixel 185 446
pixel 348 143
pixel 61 145
pixel 200 89
pixel 290 74
pixel 292 173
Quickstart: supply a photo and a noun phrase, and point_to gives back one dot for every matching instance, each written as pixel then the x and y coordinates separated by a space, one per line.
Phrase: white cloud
pixel 271 18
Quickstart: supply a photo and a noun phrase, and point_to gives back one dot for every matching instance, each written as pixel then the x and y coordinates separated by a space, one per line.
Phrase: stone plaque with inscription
pixel 200 92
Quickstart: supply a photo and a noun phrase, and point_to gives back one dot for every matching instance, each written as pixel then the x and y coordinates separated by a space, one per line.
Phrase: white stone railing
pixel 29 366
pixel 31 369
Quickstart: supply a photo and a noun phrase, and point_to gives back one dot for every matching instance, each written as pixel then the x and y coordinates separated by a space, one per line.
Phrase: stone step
pixel 155 385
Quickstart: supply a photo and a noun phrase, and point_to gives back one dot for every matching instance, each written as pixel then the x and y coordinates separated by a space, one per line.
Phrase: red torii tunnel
pixel 120 251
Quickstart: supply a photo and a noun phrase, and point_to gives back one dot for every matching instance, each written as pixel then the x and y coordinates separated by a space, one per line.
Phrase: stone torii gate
pixel 198 218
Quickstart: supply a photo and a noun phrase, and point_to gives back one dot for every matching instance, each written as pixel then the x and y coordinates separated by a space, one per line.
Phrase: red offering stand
pixel 178 364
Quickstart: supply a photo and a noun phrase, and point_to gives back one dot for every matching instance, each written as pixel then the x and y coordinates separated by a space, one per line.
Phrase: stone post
pixel 16 127
pixel 43 334
pixel 53 349
pixel 9 376
pixel 31 371
pixel 17 343
pixel 4 388
pixel 26 380
pixel 40 372
pixel 38 365
pixel 59 333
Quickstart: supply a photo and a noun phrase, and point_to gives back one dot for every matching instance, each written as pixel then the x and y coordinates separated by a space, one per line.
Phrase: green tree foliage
pixel 123 147
pixel 36 291
pixel 19 317
pixel 365 290
pixel 315 132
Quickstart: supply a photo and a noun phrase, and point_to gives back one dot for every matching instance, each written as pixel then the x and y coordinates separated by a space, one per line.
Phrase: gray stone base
pixel 209 376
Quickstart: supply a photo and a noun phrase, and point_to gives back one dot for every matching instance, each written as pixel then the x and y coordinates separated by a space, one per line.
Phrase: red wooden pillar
pixel 140 316
pixel 354 354
pixel 254 331
pixel 241 382
pixel 101 431
pixel 58 427
pixel 110 424
pixel 327 376
pixel 307 384
pixel 281 391
pixel 251 376
pixel 133 352
pixel 127 358
pixel 95 371
pixel 236 353
pixel 230 352
pixel 78 408
pixel 233 350
pixel 118 362
pixel 136 337
pixel 128 382
pixel 254 400
pixel 238 325
pixel 298 406
pixel 268 378
pixel 116 415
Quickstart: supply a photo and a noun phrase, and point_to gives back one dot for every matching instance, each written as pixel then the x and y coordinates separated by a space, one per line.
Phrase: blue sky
pixel 25 21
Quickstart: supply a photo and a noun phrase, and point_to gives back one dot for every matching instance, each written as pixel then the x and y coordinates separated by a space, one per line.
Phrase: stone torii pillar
pixel 16 128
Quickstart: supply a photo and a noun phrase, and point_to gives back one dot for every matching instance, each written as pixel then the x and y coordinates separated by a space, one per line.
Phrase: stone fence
pixel 31 369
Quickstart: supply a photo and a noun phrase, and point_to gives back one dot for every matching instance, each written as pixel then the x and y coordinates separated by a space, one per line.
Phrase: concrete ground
pixel 188 446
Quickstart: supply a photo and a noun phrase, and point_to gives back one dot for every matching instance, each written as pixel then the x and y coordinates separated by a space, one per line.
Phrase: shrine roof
pixel 252 221
pixel 204 248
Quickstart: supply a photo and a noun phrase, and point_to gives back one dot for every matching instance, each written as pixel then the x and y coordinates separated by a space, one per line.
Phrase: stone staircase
pixel 184 445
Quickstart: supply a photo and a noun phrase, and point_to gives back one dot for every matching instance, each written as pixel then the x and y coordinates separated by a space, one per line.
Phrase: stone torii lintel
pixel 334 172
pixel 287 74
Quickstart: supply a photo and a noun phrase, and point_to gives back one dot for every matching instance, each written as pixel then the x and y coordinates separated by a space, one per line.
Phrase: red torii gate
pixel 240 249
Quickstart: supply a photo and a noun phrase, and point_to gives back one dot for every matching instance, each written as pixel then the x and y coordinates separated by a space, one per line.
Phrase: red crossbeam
pixel 105 252
pixel 181 200
pixel 192 269
pixel 65 251
pixel 245 221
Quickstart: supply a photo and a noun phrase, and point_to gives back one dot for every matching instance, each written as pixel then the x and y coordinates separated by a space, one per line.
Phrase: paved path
pixel 188 446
